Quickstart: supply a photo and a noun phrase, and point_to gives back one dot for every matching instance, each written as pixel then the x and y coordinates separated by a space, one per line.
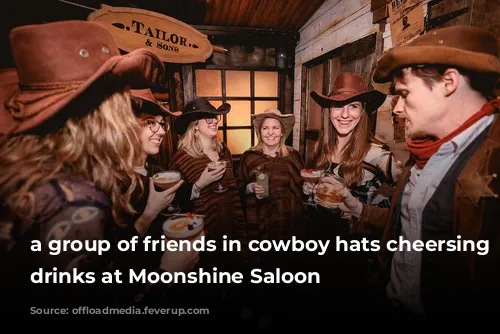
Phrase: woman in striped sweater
pixel 198 146
pixel 279 215
pixel 275 214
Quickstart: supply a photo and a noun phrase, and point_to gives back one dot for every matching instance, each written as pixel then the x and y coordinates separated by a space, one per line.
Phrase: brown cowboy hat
pixel 63 63
pixel 150 104
pixel 196 109
pixel 350 87
pixel 467 47
pixel 287 120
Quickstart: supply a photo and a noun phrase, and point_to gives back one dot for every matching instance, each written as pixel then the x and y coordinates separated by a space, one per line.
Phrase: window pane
pixel 208 83
pixel 239 114
pixel 238 83
pixel 266 84
pixel 260 106
pixel 220 136
pixel 238 141
pixel 216 103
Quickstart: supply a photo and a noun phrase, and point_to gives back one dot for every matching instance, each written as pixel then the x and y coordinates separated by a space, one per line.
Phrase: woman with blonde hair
pixel 275 213
pixel 278 215
pixel 68 148
pixel 150 203
pixel 215 192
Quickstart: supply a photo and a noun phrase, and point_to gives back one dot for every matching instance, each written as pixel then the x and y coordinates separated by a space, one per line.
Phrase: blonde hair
pixel 282 148
pixel 100 147
pixel 352 154
pixel 191 144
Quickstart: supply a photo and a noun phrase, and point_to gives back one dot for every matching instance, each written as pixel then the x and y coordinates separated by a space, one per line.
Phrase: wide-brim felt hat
pixel 196 109
pixel 150 104
pixel 466 47
pixel 350 87
pixel 67 65
pixel 286 120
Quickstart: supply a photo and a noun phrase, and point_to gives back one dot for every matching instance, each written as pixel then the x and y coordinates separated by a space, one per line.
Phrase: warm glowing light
pixel 208 83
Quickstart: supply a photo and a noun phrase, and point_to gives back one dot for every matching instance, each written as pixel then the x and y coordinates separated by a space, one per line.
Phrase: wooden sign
pixel 172 40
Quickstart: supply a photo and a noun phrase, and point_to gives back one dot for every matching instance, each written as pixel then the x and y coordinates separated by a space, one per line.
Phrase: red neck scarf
pixel 423 149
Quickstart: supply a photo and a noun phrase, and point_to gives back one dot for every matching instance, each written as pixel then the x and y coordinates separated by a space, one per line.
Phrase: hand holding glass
pixel 218 187
pixel 330 191
pixel 263 181
pixel 163 181
pixel 311 176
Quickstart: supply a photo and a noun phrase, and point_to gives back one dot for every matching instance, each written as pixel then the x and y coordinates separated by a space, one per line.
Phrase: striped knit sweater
pixel 223 211
pixel 280 215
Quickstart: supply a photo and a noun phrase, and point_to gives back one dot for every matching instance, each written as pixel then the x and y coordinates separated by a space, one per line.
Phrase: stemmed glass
pixel 163 181
pixel 172 208
pixel 311 176
pixel 218 187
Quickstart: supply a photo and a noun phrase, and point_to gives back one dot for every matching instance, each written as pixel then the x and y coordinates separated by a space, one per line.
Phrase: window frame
pixel 252 98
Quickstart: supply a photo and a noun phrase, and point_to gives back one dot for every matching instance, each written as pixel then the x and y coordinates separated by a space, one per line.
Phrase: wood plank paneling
pixel 449 6
pixel 486 14
pixel 275 14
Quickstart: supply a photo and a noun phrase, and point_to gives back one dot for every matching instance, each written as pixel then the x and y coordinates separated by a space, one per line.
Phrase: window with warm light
pixel 248 91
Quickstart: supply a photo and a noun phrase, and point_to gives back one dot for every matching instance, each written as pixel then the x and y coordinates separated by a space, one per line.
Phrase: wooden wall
pixel 339 22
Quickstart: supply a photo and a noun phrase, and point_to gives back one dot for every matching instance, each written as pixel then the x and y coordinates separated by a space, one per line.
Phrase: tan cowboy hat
pixel 65 62
pixel 287 120
pixel 196 109
pixel 466 47
pixel 150 104
pixel 350 87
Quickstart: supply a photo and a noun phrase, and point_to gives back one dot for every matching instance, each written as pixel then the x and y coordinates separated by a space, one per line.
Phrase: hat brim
pixel 373 99
pixel 286 120
pixel 154 108
pixel 139 68
pixel 405 56
pixel 182 122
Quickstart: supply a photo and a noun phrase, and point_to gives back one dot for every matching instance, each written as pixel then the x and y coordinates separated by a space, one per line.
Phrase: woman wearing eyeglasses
pixel 215 193
pixel 198 146
pixel 148 202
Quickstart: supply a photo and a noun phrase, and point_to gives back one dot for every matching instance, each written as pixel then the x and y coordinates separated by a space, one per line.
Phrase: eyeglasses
pixel 154 125
pixel 211 120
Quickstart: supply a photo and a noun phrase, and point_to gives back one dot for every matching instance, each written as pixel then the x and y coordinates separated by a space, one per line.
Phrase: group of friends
pixel 80 128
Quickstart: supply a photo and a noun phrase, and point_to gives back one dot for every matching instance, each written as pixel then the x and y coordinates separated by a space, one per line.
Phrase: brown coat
pixel 223 211
pixel 279 216
pixel 470 222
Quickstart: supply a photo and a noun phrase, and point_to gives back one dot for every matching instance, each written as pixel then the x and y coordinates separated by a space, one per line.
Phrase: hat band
pixel 16 104
pixel 345 90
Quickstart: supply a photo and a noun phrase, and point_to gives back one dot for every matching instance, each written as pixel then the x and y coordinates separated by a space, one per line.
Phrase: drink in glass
pixel 263 181
pixel 330 195
pixel 218 187
pixel 183 227
pixel 163 181
pixel 311 176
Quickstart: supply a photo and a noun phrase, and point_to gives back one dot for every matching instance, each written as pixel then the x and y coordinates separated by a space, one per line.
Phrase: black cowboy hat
pixel 196 109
